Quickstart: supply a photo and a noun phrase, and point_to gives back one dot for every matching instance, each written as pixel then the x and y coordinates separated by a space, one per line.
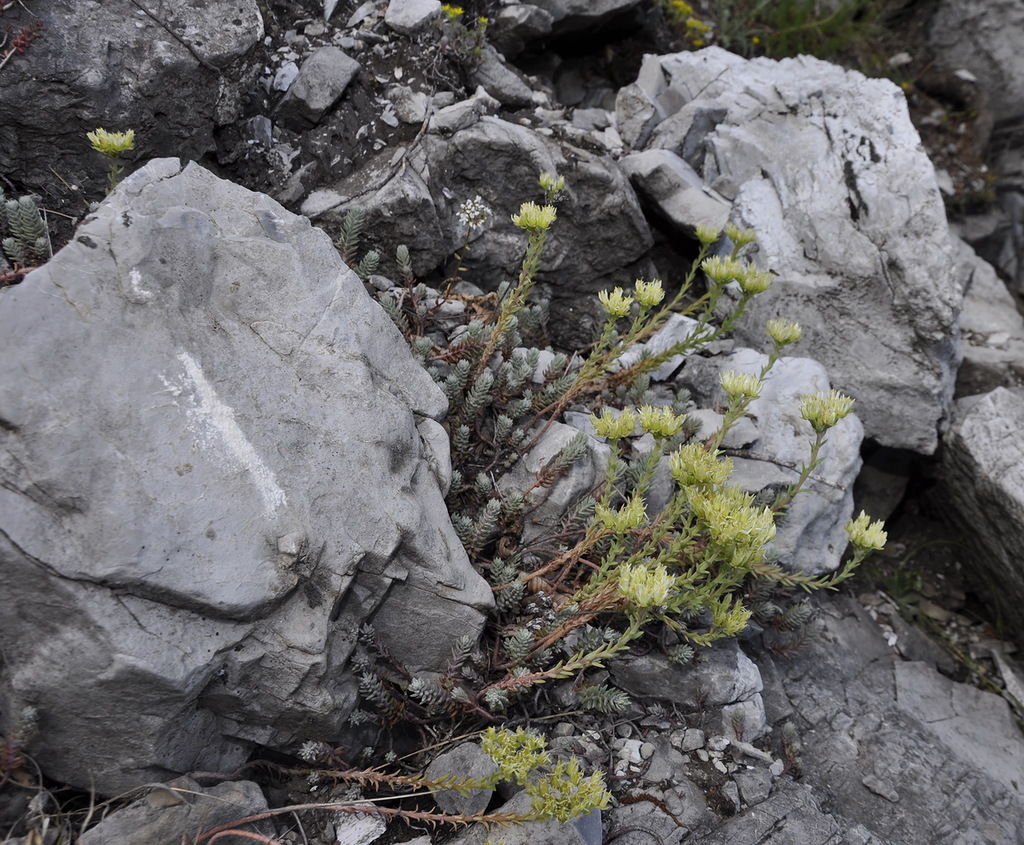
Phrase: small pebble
pixel 691 740
pixel 731 791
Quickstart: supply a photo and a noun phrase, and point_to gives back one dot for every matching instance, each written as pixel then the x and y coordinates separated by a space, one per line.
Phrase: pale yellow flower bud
pixel 111 144
pixel 694 466
pixel 632 515
pixel 784 332
pixel 535 218
pixel 753 281
pixel 550 183
pixel 615 303
pixel 614 426
pixel 707 235
pixel 728 618
pixel 452 12
pixel 723 270
pixel 643 587
pixel 824 409
pixel 732 519
pixel 649 294
pixel 865 534
pixel 660 422
pixel 740 386
pixel 739 237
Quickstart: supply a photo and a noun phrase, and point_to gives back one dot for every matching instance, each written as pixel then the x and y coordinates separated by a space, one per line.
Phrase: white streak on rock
pixel 136 292
pixel 222 418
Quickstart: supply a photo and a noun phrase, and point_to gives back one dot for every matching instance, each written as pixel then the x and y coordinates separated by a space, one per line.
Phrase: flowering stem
pixel 805 472
pixel 516 298
pixel 457 273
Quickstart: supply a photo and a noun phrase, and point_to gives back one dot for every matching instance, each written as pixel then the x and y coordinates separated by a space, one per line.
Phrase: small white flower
pixel 473 213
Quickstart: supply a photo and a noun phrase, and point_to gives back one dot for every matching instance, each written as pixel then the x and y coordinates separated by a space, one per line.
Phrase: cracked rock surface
pixel 213 479
pixel 898 749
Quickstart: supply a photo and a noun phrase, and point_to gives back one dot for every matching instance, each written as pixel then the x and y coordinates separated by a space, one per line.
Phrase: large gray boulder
pixel 984 37
pixel 212 474
pixel 413 197
pixel 172 73
pixel 827 168
pixel 983 478
pixel 992 328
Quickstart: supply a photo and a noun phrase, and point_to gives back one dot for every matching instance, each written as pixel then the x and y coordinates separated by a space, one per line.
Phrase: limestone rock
pixel 674 190
pixel 465 113
pixel 173 78
pixel 416 203
pixel 791 815
pixel 812 537
pixel 527 833
pixel 642 822
pixel 725 675
pixel 212 475
pixel 516 25
pixel 180 807
pixel 551 504
pixel 983 477
pixel 637 107
pixel 410 16
pixel 878 740
pixel 848 214
pixel 984 36
pixel 321 81
pixel 500 80
pixel 992 327
pixel 575 15
pixel 466 761
pixel 677 328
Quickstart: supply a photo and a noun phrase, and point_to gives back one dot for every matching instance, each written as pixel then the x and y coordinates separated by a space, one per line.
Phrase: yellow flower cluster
pixel 784 332
pixel 754 281
pixel 551 184
pixel 730 618
pixel 724 270
pixel 561 793
pixel 648 294
pixel 612 425
pixel 515 753
pixel 694 466
pixel 865 534
pixel 660 422
pixel 565 793
pixel 825 408
pixel 643 587
pixel 734 522
pixel 632 515
pixel 707 235
pixel 616 303
pixel 453 12
pixel 111 144
pixel 739 237
pixel 535 218
pixel 739 386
